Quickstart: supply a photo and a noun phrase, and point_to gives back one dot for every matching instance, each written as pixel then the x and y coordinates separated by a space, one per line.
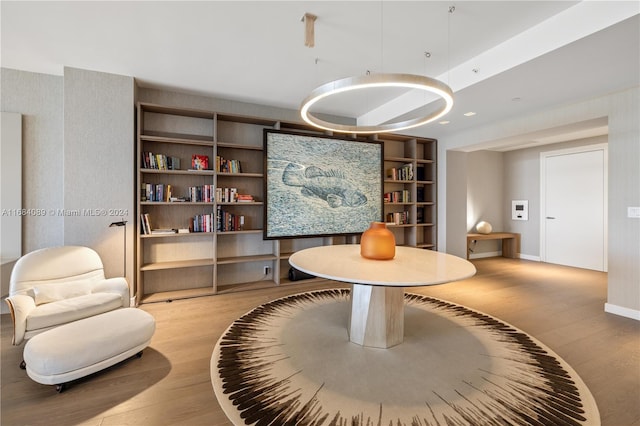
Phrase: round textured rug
pixel 290 362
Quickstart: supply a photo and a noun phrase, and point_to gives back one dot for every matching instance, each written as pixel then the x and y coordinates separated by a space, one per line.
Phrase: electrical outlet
pixel 267 270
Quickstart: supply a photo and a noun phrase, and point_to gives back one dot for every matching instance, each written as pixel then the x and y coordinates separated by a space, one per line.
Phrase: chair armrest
pixel 114 285
pixel 20 306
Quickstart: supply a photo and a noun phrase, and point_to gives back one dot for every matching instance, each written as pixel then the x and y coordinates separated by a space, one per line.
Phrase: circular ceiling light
pixel 408 81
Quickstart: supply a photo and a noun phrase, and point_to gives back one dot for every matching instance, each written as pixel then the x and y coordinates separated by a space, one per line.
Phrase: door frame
pixel 604 147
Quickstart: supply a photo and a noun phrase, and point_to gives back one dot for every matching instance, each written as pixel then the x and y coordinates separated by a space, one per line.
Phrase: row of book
pixel 403 196
pixel 227 221
pixel 226 195
pixel 404 172
pixel 202 223
pixel 167 162
pixel 160 192
pixel 231 195
pixel 201 194
pixel 155 192
pixel 227 166
pixel 398 218
pixel 159 161
pixel 199 223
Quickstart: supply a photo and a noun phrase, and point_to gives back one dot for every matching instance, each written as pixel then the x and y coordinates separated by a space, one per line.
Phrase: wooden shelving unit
pixel 184 265
pixel 416 225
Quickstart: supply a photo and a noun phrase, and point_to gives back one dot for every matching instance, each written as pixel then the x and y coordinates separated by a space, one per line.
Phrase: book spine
pixel 147 223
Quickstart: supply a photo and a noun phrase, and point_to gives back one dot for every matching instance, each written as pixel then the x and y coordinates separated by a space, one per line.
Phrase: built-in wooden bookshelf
pixel 410 177
pixel 179 265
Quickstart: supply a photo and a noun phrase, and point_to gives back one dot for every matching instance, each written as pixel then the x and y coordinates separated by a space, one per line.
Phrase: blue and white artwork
pixel 321 186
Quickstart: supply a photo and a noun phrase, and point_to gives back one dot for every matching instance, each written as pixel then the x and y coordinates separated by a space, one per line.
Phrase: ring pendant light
pixel 409 81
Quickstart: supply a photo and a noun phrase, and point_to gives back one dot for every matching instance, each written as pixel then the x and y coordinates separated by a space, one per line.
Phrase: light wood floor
pixel 170 384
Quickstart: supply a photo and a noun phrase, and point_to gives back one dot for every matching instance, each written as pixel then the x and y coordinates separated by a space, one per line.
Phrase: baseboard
pixel 529 257
pixel 499 253
pixel 622 311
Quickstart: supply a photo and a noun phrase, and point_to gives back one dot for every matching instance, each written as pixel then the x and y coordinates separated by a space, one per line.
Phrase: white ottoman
pixel 82 347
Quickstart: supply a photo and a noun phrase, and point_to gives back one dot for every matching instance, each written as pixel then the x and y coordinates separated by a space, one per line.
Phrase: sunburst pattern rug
pixel 290 362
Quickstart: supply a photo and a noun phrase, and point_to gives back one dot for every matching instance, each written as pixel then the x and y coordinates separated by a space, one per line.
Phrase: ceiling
pixel 501 58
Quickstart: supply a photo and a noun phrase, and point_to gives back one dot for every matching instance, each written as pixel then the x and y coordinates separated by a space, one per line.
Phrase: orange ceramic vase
pixel 378 242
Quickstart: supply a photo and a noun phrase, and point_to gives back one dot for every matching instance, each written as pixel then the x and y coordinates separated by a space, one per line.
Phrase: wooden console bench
pixel 510 242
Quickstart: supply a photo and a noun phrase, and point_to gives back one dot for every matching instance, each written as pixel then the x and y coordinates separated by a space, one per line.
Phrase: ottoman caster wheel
pixel 23 365
pixel 139 355
pixel 61 387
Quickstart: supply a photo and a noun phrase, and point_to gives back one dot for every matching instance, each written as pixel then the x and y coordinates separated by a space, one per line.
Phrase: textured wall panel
pixel 99 164
pixel 38 97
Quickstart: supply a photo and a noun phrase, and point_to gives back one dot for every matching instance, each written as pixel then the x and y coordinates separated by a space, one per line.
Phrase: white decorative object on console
pixel 484 227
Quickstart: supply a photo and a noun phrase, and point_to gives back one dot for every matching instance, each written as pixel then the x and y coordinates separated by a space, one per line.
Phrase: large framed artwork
pixel 320 185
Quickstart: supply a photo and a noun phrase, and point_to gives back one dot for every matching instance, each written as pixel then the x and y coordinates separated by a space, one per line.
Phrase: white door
pixel 573 207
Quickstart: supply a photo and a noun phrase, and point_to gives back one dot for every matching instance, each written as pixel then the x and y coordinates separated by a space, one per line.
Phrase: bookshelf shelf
pixel 178 235
pixel 245 259
pixel 182 265
pixel 176 264
pixel 176 203
pixel 397 181
pixel 286 255
pixel 175 138
pixel 243 203
pixel 398 159
pixel 179 172
pixel 240 175
pixel 238 146
pixel 400 225
pixel 244 231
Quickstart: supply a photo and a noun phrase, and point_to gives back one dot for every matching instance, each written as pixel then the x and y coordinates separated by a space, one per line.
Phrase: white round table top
pixel 411 266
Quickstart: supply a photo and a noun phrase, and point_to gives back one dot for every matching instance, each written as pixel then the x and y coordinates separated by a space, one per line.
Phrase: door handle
pixel 550 217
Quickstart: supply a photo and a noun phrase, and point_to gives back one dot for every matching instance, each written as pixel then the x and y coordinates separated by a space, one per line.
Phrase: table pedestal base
pixel 377 316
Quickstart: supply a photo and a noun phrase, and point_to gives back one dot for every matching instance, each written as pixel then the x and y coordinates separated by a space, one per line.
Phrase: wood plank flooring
pixel 170 385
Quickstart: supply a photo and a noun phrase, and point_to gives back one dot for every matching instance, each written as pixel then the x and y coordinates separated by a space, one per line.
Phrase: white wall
pixel 10 198
pixel 456 203
pixel 624 191
pixel 485 196
pixel 11 193
pixel 38 97
pixel 475 192
pixel 98 165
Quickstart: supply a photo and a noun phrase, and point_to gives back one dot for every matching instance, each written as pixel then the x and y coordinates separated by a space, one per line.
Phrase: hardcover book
pixel 199 162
